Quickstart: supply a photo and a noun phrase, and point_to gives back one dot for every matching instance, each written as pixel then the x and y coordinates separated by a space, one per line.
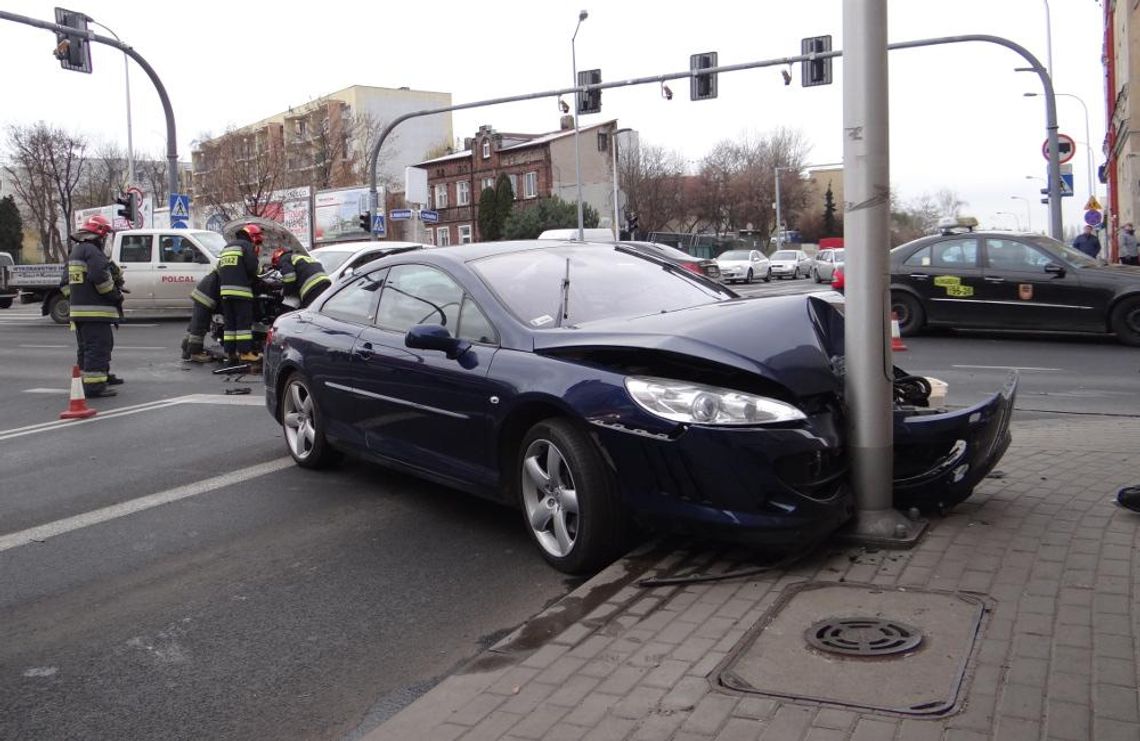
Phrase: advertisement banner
pixel 291 207
pixel 118 223
pixel 336 213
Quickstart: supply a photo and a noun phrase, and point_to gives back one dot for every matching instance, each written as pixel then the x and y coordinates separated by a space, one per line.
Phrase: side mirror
pixel 435 337
pixel 1055 269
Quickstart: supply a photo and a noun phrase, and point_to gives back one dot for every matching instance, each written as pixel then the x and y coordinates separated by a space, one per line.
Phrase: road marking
pixel 47 391
pixel 46 347
pixel 1007 367
pixel 115 511
pixel 141 347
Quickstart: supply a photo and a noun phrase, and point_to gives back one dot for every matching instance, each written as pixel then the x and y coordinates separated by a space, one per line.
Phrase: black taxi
pixel 1002 280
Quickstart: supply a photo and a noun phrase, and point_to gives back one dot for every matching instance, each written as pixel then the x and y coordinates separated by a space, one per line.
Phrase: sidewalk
pixel 1041 542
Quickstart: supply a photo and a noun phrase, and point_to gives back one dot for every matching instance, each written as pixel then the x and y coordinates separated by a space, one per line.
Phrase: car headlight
pixel 695 403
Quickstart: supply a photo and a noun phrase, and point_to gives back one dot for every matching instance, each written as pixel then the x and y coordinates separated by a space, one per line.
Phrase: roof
pixel 534 141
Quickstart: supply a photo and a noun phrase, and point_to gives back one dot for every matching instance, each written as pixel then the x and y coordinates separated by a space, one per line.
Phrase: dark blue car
pixel 590 384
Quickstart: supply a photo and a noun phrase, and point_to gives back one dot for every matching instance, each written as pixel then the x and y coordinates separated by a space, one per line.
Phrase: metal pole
pixel 1028 212
pixel 582 15
pixel 127 74
pixel 614 155
pixel 1048 41
pixel 779 218
pixel 866 228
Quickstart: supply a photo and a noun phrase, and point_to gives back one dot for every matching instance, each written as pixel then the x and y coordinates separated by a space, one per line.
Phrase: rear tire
pixel 768 276
pixel 750 277
pixel 5 302
pixel 815 276
pixel 569 502
pixel 1125 321
pixel 59 309
pixel 909 312
pixel 304 426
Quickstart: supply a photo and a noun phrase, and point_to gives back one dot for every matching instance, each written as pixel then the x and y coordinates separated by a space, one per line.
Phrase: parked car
pixel 705 267
pixel 998 280
pixel 342 258
pixel 825 263
pixel 790 264
pixel 588 386
pixel 744 265
pixel 7 295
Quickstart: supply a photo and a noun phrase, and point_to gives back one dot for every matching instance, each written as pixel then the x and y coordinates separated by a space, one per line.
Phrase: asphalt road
pixel 166 572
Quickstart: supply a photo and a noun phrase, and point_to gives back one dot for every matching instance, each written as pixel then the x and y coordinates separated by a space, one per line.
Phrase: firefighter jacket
pixel 92 284
pixel 237 270
pixel 206 293
pixel 302 274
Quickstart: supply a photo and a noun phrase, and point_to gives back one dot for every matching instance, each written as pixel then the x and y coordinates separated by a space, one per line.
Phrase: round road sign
pixel 1066 148
pixel 1092 218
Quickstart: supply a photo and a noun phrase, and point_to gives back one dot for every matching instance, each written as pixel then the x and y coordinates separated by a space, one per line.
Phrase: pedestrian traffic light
pixel 73 50
pixel 591 100
pixel 815 71
pixel 128 207
pixel 702 87
pixel 366 221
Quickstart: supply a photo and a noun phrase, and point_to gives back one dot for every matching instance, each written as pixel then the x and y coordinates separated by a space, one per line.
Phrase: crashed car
pixel 591 384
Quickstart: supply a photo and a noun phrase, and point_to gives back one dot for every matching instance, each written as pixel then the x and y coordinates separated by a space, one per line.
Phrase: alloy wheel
pixel 297 420
pixel 550 498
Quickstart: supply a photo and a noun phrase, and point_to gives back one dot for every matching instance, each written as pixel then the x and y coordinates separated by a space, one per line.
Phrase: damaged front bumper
pixel 941 456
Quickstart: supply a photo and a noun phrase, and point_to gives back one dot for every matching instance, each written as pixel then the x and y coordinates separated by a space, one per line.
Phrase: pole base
pixel 884 528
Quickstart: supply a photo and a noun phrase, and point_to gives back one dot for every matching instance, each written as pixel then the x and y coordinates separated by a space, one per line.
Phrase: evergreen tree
pixel 548 213
pixel 11 227
pixel 490 228
pixel 830 223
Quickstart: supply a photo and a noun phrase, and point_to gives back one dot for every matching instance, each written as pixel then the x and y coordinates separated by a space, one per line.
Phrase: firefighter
pixel 237 275
pixel 302 276
pixel 92 284
pixel 206 298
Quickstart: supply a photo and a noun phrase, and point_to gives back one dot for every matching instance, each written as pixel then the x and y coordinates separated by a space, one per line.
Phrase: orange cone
pixel 77 407
pixel 896 336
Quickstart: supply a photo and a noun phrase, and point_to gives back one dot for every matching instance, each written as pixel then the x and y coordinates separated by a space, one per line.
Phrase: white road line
pixel 47 391
pixel 46 347
pixel 115 511
pixel 141 347
pixel 1007 367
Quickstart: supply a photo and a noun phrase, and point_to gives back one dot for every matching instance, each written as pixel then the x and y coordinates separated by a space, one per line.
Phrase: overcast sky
pixel 958 116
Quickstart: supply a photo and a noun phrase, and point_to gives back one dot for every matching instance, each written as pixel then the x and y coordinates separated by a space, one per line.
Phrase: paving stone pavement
pixel 1056 657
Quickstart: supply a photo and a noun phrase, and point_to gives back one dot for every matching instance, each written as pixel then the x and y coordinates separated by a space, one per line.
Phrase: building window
pixel 603 141
pixel 530 185
pixel 514 185
pixel 486 149
pixel 428 239
pixel 464 234
pixel 443 236
pixel 462 193
pixel 441 195
pixel 487 183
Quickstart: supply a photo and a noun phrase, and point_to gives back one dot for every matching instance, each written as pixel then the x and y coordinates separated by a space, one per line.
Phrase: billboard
pixel 336 213
pixel 291 207
pixel 118 223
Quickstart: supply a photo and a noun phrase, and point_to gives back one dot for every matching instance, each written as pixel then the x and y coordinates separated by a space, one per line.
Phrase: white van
pixel 590 235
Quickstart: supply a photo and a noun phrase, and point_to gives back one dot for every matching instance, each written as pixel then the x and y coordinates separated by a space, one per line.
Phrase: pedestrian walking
pixel 237 274
pixel 301 275
pixel 1087 242
pixel 205 298
pixel 93 285
pixel 1127 241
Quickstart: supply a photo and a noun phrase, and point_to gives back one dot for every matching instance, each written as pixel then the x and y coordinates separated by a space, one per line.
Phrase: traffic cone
pixel 896 336
pixel 77 407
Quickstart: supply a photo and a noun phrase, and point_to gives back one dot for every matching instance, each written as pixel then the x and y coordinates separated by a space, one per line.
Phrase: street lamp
pixel 1016 220
pixel 1048 41
pixel 1088 140
pixel 1028 214
pixel 582 15
pixel 127 70
pixel 614 156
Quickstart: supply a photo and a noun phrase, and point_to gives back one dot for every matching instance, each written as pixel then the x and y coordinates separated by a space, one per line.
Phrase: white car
pixel 790 264
pixel 744 265
pixel 823 269
pixel 342 258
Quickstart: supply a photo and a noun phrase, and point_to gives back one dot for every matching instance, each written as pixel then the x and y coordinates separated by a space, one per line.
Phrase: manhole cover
pixel 863 636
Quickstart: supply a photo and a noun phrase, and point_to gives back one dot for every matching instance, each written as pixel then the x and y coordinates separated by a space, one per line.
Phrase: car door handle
pixel 161 267
pixel 994 279
pixel 364 352
pixel 919 276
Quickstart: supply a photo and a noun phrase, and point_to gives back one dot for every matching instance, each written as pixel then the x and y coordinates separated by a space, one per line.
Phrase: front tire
pixel 568 498
pixel 304 426
pixel 910 314
pixel 1125 321
pixel 768 276
pixel 750 277
pixel 815 276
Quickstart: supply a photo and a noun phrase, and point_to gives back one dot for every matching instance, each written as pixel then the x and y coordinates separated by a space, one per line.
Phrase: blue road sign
pixel 1093 218
pixel 1066 184
pixel 378 224
pixel 400 214
pixel 429 217
pixel 179 210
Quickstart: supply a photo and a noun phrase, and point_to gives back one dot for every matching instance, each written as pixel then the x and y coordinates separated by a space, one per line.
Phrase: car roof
pixel 356 246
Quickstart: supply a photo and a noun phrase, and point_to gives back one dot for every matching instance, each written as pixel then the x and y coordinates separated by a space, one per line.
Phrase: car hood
pixel 786 339
pixel 1115 274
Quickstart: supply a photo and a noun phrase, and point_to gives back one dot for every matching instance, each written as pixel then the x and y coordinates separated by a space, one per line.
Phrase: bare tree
pixel 103 178
pixel 150 172
pixel 653 179
pixel 47 166
pixel 239 174
pixel 949 203
pixel 366 130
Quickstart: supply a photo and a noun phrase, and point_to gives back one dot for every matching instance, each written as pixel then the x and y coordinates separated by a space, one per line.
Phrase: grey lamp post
pixel 1048 41
pixel 582 15
pixel 1028 213
pixel 614 156
pixel 1088 141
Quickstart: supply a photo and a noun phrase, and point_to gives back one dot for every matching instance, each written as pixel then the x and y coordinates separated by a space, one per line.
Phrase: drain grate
pixel 867 637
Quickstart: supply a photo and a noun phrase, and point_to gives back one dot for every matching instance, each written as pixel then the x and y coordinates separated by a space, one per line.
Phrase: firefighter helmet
pixel 275 259
pixel 97 225
pixel 251 232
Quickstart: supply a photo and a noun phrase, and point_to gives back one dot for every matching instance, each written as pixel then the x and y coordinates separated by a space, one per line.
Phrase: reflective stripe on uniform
pixel 237 335
pixel 236 291
pixel 106 286
pixel 318 278
pixel 289 278
pixel 94 376
pixel 94 312
pixel 66 291
pixel 202 299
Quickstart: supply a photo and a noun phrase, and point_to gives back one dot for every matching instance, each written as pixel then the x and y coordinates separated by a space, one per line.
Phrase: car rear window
pixel 784 255
pixel 734 255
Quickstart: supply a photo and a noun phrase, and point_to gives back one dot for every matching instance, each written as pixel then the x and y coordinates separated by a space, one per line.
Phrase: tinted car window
pixel 136 248
pixel 785 255
pixel 473 324
pixel 1070 255
pixel 418 294
pixel 920 258
pixel 355 302
pixel 734 255
pixel 955 253
pixel 602 283
pixel 1006 254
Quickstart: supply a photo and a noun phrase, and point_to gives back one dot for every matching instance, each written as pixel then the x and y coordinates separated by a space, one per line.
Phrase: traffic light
pixel 366 221
pixel 73 50
pixel 702 87
pixel 128 207
pixel 591 100
pixel 816 71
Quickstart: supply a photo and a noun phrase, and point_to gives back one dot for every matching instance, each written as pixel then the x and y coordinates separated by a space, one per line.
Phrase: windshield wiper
pixel 564 310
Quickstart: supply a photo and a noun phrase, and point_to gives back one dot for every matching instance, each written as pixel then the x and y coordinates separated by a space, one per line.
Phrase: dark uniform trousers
pixel 238 334
pixel 95 341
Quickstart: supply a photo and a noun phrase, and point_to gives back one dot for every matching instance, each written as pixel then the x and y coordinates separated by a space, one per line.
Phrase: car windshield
pixel 784 255
pixel 212 241
pixel 836 255
pixel 330 260
pixel 603 283
pixel 1076 258
pixel 734 255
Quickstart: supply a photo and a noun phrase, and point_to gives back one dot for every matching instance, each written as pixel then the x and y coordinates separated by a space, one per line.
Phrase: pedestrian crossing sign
pixel 1093 204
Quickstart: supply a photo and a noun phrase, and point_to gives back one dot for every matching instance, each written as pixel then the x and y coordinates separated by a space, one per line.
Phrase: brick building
pixel 539 166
